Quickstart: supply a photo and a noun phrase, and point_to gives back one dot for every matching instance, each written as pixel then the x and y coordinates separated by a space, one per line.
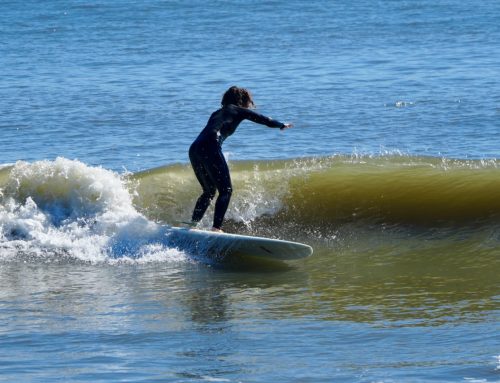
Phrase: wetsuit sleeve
pixel 249 114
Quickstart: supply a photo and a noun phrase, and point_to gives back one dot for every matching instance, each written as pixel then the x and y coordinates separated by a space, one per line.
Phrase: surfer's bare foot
pixel 215 229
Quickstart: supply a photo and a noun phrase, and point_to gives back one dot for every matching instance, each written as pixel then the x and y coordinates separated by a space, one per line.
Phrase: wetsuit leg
pixel 199 166
pixel 219 172
pixel 212 172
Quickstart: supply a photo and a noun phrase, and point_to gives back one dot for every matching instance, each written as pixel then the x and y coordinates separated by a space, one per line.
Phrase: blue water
pixel 130 84
pixel 127 85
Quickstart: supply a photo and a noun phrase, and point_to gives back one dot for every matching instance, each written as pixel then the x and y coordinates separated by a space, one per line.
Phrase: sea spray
pixel 169 193
pixel 66 209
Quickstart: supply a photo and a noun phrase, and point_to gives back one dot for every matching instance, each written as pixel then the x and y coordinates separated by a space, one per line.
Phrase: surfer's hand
pixel 286 126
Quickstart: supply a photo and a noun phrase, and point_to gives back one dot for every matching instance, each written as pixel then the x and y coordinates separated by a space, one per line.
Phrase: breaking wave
pixel 65 209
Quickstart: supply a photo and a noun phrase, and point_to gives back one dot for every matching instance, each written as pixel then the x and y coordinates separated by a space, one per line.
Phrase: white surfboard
pixel 225 246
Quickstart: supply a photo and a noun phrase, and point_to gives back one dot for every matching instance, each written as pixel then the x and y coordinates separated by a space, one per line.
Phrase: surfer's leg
pixel 219 172
pixel 207 185
pixel 202 205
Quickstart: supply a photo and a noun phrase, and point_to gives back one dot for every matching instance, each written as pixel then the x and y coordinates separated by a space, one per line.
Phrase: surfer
pixel 206 156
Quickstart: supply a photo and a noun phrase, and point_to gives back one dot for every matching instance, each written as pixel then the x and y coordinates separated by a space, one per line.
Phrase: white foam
pixel 66 209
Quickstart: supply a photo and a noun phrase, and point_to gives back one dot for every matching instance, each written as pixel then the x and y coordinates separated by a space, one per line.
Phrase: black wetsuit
pixel 208 161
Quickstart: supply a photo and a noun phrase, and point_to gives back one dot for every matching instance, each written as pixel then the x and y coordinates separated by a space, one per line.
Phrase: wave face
pixel 325 192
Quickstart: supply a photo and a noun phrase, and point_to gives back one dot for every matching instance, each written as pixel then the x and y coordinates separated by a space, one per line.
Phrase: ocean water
pixel 391 173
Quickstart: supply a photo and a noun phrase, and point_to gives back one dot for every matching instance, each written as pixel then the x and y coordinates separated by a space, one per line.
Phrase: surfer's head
pixel 238 96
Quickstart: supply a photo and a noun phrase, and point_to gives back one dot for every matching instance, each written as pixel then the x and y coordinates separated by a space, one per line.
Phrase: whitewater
pixel 63 210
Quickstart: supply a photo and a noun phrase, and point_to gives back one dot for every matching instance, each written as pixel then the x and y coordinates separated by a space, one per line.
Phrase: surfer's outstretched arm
pixel 263 120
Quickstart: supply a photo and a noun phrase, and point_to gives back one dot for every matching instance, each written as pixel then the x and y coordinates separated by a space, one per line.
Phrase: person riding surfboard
pixel 206 157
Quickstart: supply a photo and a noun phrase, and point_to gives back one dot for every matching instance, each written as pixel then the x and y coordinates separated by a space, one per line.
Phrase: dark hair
pixel 238 96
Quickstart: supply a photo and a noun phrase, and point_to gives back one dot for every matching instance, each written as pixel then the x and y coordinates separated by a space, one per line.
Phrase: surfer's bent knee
pixel 227 192
pixel 209 194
